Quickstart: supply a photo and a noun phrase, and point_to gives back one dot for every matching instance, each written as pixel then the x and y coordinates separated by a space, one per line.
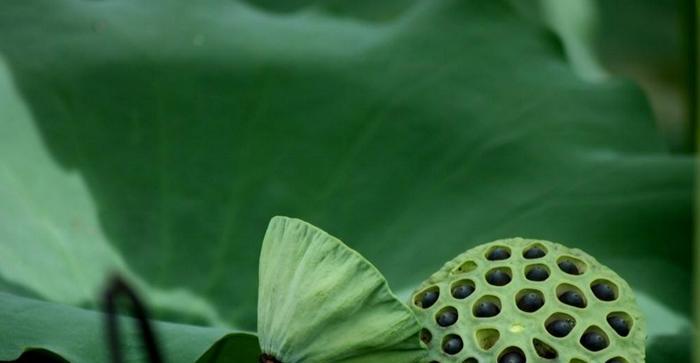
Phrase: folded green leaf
pixel 77 335
pixel 320 301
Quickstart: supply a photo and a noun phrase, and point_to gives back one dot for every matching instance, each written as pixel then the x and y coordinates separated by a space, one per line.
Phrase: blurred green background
pixel 158 139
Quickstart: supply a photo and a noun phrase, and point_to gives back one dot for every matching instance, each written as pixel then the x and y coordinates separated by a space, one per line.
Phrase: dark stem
pixel 115 290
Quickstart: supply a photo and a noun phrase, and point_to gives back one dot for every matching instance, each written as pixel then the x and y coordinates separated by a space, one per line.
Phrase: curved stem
pixel 115 289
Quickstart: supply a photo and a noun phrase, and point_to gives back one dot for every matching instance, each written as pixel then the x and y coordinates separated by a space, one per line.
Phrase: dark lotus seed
pixel 498 253
pixel 453 344
pixel 593 341
pixel 462 291
pixel 619 325
pixel 534 252
pixel 572 298
pixel 530 302
pixel 603 291
pixel 486 310
pixel 498 278
pixel 615 360
pixel 429 298
pixel 512 357
pixel 569 267
pixel 560 327
pixel 471 360
pixel 537 273
pixel 447 317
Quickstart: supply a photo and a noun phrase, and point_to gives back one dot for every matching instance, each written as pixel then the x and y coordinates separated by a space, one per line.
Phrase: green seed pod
pixel 519 300
pixel 320 301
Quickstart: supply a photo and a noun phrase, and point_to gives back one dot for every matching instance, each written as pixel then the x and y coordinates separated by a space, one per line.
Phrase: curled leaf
pixel 320 301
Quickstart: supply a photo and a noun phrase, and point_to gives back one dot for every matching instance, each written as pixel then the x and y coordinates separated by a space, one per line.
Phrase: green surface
pixel 158 140
pixel 320 301
pixel 78 335
pixel 233 347
pixel 616 38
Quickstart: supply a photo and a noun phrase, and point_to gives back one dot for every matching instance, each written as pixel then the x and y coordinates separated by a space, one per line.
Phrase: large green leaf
pixel 415 137
pixel 234 347
pixel 78 335
pixel 48 219
pixel 618 36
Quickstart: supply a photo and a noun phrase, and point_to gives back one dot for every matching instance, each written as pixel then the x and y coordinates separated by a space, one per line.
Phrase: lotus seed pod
pixel 520 300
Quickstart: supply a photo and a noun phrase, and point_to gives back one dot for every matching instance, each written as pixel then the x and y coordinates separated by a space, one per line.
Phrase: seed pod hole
pixel 621 323
pixel 466 266
pixel 426 336
pixel 616 360
pixel 499 276
pixel 529 300
pixel 452 344
pixel 544 350
pixel 487 338
pixel 533 251
pixel 427 297
pixel 470 360
pixel 604 290
pixel 512 355
pixel 577 361
pixel 571 265
pixel 462 289
pixel 498 253
pixel 594 339
pixel 446 316
pixel 571 295
pixel 537 272
pixel 559 324
pixel 486 307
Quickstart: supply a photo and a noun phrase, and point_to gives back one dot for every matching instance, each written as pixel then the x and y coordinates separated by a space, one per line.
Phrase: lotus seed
pixel 453 344
pixel 447 317
pixel 462 291
pixel 498 253
pixel 512 357
pixel 486 310
pixel 572 298
pixel 560 327
pixel 537 273
pixel 594 341
pixel 569 267
pixel 498 277
pixel 534 252
pixel 530 302
pixel 619 325
pixel 615 360
pixel 471 360
pixel 603 291
pixel 429 298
